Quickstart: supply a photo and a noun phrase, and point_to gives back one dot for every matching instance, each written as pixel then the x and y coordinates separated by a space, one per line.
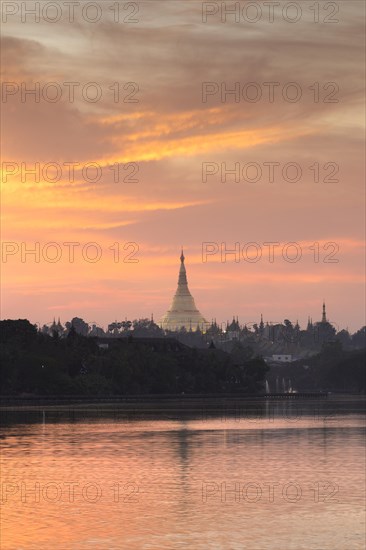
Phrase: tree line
pixel 37 363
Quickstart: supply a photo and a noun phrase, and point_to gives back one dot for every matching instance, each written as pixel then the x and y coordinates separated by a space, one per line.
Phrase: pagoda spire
pixel 261 324
pixel 182 279
pixel 324 316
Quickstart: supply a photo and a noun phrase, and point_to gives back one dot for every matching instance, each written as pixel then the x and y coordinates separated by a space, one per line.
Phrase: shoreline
pixel 186 402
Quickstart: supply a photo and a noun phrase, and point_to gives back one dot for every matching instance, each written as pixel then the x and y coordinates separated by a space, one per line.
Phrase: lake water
pixel 260 476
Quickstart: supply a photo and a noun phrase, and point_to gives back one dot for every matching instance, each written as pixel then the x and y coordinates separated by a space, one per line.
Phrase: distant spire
pixel 261 324
pixel 182 256
pixel 324 316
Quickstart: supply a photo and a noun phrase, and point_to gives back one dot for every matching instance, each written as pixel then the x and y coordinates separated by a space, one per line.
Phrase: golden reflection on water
pixel 231 482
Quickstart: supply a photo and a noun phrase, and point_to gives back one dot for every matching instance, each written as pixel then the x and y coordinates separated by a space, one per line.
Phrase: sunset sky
pixel 169 133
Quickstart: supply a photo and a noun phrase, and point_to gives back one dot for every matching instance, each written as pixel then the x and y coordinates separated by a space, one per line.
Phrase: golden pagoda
pixel 183 312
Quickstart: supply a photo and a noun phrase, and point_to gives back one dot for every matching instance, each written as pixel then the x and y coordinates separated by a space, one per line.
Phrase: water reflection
pixel 260 476
pixel 238 409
